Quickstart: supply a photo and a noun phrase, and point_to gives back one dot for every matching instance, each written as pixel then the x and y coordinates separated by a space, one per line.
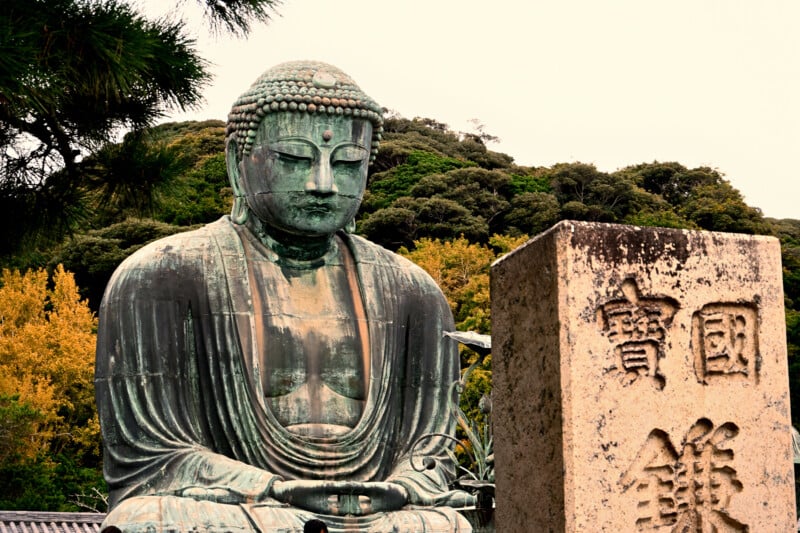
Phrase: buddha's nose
pixel 321 181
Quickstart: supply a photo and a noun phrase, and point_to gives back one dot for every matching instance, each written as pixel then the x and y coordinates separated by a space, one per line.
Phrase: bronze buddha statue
pixel 271 367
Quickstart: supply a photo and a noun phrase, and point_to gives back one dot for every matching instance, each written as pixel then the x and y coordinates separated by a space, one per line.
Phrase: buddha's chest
pixel 313 358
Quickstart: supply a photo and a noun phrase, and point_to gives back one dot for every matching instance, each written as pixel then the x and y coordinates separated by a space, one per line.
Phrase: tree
pixel 533 212
pixel 385 187
pixel 128 179
pixel 72 73
pixel 18 421
pixel 173 172
pixel 483 192
pixel 720 207
pixel 672 181
pixel 441 218
pixel 585 193
pixel 392 227
pixel 47 352
pixel 48 422
pixel 663 218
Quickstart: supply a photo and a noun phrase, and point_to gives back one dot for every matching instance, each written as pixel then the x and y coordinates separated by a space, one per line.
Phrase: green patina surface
pixel 270 367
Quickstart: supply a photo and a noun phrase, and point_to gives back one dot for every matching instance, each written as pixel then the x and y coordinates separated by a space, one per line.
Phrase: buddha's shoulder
pixel 368 252
pixel 180 251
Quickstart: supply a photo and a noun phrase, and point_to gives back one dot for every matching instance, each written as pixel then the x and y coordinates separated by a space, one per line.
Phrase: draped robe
pixel 189 441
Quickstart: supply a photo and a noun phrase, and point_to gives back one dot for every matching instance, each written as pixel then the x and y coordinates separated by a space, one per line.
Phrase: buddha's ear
pixel 232 164
pixel 239 211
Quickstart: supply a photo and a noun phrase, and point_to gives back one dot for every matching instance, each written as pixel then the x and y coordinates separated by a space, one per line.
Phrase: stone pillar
pixel 640 383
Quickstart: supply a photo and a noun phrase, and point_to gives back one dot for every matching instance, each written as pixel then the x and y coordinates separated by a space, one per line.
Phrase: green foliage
pixel 174 173
pixel 428 183
pixel 672 181
pixel 195 140
pixel 202 195
pixel 532 212
pixel 522 183
pixel 793 345
pixel 72 73
pixel 720 207
pixel 662 218
pixel 392 228
pixel 479 386
pixel 473 149
pixel 788 231
pixel 482 192
pixel 129 179
pixel 588 194
pixel 388 186
pixel 474 429
pixel 57 484
pixel 18 421
pixel 418 134
pixel 441 218
pixel 31 485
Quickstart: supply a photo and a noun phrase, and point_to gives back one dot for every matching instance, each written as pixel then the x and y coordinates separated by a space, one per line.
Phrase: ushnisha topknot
pixel 300 87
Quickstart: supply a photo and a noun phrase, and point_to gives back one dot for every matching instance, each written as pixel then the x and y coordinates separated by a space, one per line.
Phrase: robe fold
pixel 190 443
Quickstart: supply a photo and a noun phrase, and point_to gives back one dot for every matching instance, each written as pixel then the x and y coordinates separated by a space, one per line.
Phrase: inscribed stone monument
pixel 271 367
pixel 640 382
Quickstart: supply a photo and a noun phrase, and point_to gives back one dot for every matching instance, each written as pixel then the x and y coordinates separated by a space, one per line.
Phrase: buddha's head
pixel 299 143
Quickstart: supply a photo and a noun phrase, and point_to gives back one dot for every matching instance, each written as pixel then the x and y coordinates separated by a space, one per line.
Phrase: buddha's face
pixel 306 174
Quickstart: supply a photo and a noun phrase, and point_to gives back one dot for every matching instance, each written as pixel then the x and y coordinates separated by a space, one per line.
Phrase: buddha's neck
pixel 288 246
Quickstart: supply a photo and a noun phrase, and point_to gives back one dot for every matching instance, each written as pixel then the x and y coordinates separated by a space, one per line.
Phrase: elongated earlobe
pixel 240 210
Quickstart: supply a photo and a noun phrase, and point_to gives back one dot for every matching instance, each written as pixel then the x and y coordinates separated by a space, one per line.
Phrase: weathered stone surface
pixel 640 382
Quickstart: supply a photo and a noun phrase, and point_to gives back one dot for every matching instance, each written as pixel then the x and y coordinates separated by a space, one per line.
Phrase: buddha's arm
pixel 432 365
pixel 165 393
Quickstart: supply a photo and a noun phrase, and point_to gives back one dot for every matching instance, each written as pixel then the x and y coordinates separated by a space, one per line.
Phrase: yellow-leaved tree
pixel 47 343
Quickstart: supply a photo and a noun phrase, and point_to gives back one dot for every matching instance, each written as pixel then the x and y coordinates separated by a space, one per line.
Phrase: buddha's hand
pixel 212 494
pixel 452 498
pixel 341 498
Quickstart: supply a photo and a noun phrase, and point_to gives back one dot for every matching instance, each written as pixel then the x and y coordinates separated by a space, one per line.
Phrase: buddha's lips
pixel 317 207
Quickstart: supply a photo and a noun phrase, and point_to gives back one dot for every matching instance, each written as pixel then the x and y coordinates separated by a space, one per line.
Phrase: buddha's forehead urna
pixel 300 87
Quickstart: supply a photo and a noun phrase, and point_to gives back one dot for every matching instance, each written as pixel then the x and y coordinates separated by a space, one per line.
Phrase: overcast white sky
pixel 609 82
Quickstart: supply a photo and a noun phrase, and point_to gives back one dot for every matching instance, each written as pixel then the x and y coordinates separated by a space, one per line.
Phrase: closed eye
pixel 349 153
pixel 293 150
pixel 292 157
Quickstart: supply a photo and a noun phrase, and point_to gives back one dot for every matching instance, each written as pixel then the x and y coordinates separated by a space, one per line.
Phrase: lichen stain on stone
pixel 748 249
pixel 618 244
